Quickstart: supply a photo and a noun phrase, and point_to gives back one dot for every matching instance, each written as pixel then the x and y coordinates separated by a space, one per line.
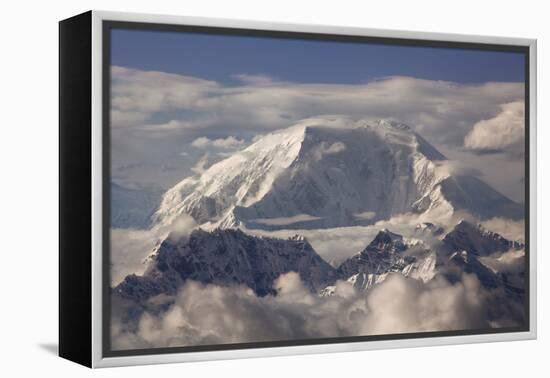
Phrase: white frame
pixel 99 361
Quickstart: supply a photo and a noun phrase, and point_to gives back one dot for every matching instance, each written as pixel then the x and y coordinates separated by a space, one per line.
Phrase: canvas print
pixel 272 189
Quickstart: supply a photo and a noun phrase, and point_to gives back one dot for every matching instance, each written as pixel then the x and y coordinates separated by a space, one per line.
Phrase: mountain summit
pixel 317 176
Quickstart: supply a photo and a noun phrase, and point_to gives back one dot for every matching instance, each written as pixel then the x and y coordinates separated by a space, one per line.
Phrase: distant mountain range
pixel 229 257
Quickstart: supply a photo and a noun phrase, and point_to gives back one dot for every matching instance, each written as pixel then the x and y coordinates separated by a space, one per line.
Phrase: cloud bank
pixel 442 111
pixel 209 314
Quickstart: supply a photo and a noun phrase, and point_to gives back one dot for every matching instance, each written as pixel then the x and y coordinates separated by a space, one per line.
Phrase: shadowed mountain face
pixel 321 177
pixel 383 254
pixel 477 241
pixel 458 253
pixel 227 257
pixel 471 194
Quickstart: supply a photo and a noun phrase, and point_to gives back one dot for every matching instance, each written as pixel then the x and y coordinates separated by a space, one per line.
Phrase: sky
pixel 182 101
pixel 218 57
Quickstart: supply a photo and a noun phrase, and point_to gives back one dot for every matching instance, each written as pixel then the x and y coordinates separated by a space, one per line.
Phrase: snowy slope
pixel 240 180
pixel 317 176
pixel 388 253
pixel 458 253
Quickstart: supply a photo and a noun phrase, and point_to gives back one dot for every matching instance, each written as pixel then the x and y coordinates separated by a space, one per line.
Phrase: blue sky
pixel 217 57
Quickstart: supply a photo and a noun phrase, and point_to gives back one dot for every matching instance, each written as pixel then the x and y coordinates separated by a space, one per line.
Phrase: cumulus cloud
pixel 223 143
pixel 512 261
pixel 401 305
pixel 181 227
pixel 210 314
pixel 503 130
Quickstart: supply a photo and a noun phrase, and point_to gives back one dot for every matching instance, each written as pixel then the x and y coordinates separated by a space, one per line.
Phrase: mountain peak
pixel 386 236
pixel 476 240
pixel 227 257
pixel 327 172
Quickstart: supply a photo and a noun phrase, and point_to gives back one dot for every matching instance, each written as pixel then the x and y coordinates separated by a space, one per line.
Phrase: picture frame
pixel 85 108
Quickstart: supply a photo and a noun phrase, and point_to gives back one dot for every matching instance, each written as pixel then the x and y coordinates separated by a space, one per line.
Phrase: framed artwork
pixel 232 189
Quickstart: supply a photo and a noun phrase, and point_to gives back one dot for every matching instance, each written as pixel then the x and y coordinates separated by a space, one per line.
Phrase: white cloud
pixel 202 164
pixel 129 248
pixel 456 168
pixel 366 215
pixel 497 133
pixel 181 228
pixel 401 305
pixel 510 229
pixel 512 261
pixel 121 118
pixel 153 91
pixel 254 79
pixel 324 149
pixel 286 220
pixel 335 245
pixel 209 314
pixel 223 143
pixel 167 126
pixel 441 111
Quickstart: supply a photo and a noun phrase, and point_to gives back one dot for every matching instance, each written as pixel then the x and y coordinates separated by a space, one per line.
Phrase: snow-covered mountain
pixel 227 257
pixel 383 254
pixel 316 176
pixel 458 253
pixel 388 253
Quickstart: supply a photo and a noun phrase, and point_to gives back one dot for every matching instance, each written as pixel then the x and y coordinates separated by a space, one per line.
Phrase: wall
pixel 28 148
